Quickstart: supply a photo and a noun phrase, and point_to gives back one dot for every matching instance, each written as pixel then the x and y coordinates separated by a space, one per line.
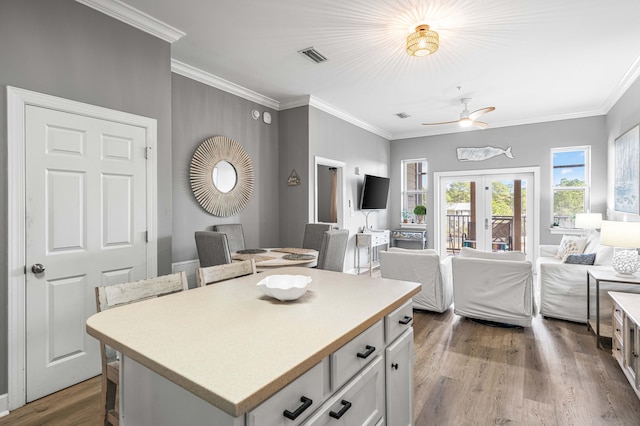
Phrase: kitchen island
pixel 217 354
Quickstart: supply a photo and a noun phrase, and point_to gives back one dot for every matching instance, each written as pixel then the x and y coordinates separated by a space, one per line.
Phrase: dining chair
pixel 213 248
pixel 313 233
pixel 112 296
pixel 332 250
pixel 218 273
pixel 235 236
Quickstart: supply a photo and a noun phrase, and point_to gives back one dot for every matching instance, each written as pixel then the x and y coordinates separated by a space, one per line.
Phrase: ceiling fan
pixel 468 119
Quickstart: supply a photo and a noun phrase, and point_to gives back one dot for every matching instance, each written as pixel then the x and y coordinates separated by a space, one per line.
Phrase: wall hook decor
pixel 293 179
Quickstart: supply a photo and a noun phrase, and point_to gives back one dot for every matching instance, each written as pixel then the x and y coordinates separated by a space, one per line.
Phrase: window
pixel 570 182
pixel 414 185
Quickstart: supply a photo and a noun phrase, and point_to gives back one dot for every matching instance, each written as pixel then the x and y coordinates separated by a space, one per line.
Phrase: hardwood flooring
pixel 465 374
pixel 550 374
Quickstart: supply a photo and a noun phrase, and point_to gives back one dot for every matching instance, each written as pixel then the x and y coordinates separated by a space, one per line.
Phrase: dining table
pixel 279 257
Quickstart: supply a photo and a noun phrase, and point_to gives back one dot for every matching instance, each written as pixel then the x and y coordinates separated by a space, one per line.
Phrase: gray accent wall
pixel 333 138
pixel 624 115
pixel 530 145
pixel 65 49
pixel 200 112
pixel 294 155
pixel 307 132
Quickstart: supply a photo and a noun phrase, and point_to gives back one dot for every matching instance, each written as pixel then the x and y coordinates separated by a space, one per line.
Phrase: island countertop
pixel 232 346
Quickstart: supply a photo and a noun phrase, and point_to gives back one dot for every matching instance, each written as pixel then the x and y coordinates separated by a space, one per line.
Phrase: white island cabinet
pixel 226 355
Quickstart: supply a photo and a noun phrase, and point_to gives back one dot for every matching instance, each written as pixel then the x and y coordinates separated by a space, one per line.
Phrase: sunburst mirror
pixel 221 176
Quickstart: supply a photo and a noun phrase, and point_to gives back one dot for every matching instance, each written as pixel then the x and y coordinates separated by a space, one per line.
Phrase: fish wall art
pixel 484 153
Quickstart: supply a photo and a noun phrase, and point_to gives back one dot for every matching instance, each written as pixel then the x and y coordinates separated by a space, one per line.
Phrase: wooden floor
pixel 550 374
pixel 465 374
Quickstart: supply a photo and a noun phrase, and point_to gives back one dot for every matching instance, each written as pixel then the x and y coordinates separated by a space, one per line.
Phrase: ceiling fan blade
pixel 480 124
pixel 477 113
pixel 442 122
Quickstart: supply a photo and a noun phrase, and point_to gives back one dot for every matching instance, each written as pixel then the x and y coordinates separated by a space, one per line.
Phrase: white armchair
pixel 496 287
pixel 424 267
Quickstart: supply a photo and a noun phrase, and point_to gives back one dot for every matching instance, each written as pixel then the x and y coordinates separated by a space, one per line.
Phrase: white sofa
pixel 563 286
pixel 496 287
pixel 424 267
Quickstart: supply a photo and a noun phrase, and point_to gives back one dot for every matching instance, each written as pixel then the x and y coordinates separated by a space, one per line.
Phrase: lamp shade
pixel 620 234
pixel 422 42
pixel 588 220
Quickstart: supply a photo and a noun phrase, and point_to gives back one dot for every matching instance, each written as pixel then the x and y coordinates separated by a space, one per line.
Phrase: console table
pixel 371 240
pixel 606 275
pixel 408 237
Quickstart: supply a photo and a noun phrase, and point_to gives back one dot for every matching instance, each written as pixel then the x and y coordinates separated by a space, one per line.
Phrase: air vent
pixel 402 115
pixel 312 54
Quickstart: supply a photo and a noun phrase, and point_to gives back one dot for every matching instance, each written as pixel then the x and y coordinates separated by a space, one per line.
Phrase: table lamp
pixel 588 221
pixel 625 238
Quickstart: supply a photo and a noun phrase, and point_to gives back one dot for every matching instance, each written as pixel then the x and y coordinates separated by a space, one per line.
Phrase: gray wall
pixel 65 49
pixel 336 139
pixel 294 155
pixel 624 115
pixel 200 112
pixel 531 146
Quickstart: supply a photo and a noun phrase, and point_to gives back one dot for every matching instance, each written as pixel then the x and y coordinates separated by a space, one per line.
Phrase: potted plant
pixel 405 216
pixel 420 211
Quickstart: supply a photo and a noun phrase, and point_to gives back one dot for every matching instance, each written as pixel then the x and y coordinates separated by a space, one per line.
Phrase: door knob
pixel 37 268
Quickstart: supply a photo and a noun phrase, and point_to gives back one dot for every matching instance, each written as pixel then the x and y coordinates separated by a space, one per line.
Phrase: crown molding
pixel 136 18
pixel 204 77
pixel 330 109
pixel 623 85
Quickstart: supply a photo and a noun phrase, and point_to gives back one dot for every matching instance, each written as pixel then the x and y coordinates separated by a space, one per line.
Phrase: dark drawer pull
pixel 405 320
pixel 306 403
pixel 369 351
pixel 345 407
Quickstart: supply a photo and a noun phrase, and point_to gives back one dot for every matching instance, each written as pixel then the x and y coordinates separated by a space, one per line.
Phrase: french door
pixel 487 210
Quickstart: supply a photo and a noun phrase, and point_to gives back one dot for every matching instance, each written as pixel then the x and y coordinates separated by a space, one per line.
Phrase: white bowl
pixel 284 287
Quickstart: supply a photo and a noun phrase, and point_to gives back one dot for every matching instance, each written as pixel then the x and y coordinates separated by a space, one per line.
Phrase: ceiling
pixel 534 61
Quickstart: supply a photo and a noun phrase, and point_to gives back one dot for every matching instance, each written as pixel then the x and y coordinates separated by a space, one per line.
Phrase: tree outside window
pixel 414 185
pixel 570 182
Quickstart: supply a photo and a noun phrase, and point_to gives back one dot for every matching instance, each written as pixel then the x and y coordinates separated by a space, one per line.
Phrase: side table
pixel 606 275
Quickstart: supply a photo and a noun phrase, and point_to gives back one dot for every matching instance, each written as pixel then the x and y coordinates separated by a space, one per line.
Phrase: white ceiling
pixel 534 60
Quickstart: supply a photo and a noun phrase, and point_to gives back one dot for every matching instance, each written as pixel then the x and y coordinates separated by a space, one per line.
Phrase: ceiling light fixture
pixel 423 42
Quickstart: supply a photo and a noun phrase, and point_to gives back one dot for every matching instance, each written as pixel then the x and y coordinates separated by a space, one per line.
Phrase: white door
pixel 490 211
pixel 86 217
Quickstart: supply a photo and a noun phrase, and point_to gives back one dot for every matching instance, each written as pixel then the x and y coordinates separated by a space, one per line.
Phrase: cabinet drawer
pixel 355 355
pixel 398 321
pixel 309 386
pixel 360 402
pixel 617 348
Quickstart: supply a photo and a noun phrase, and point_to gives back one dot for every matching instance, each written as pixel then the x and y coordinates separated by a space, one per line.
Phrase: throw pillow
pixel 593 241
pixel 581 259
pixel 570 245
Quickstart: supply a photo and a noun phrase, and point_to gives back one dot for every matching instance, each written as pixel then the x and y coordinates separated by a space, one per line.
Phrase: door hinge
pixel 146 236
pixel 147 152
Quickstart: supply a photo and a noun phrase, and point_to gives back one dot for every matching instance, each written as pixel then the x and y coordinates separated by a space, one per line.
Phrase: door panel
pixel 86 221
pixel 486 212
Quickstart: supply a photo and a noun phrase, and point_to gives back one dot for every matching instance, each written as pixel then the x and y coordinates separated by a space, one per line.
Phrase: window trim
pixel 587 172
pixel 403 181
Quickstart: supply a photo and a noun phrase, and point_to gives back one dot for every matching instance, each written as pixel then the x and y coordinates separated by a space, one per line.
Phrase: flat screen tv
pixel 375 191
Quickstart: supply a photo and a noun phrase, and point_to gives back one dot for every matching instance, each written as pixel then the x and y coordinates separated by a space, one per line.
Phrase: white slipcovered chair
pixel 495 287
pixel 424 267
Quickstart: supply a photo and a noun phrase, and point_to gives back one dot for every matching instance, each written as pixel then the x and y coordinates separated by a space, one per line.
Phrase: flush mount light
pixel 423 42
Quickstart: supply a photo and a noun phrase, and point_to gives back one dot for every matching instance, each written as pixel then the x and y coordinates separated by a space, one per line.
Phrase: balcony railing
pixel 460 233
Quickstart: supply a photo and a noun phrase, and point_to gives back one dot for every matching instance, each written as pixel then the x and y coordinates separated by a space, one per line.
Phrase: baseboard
pixel 190 267
pixel 4 405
